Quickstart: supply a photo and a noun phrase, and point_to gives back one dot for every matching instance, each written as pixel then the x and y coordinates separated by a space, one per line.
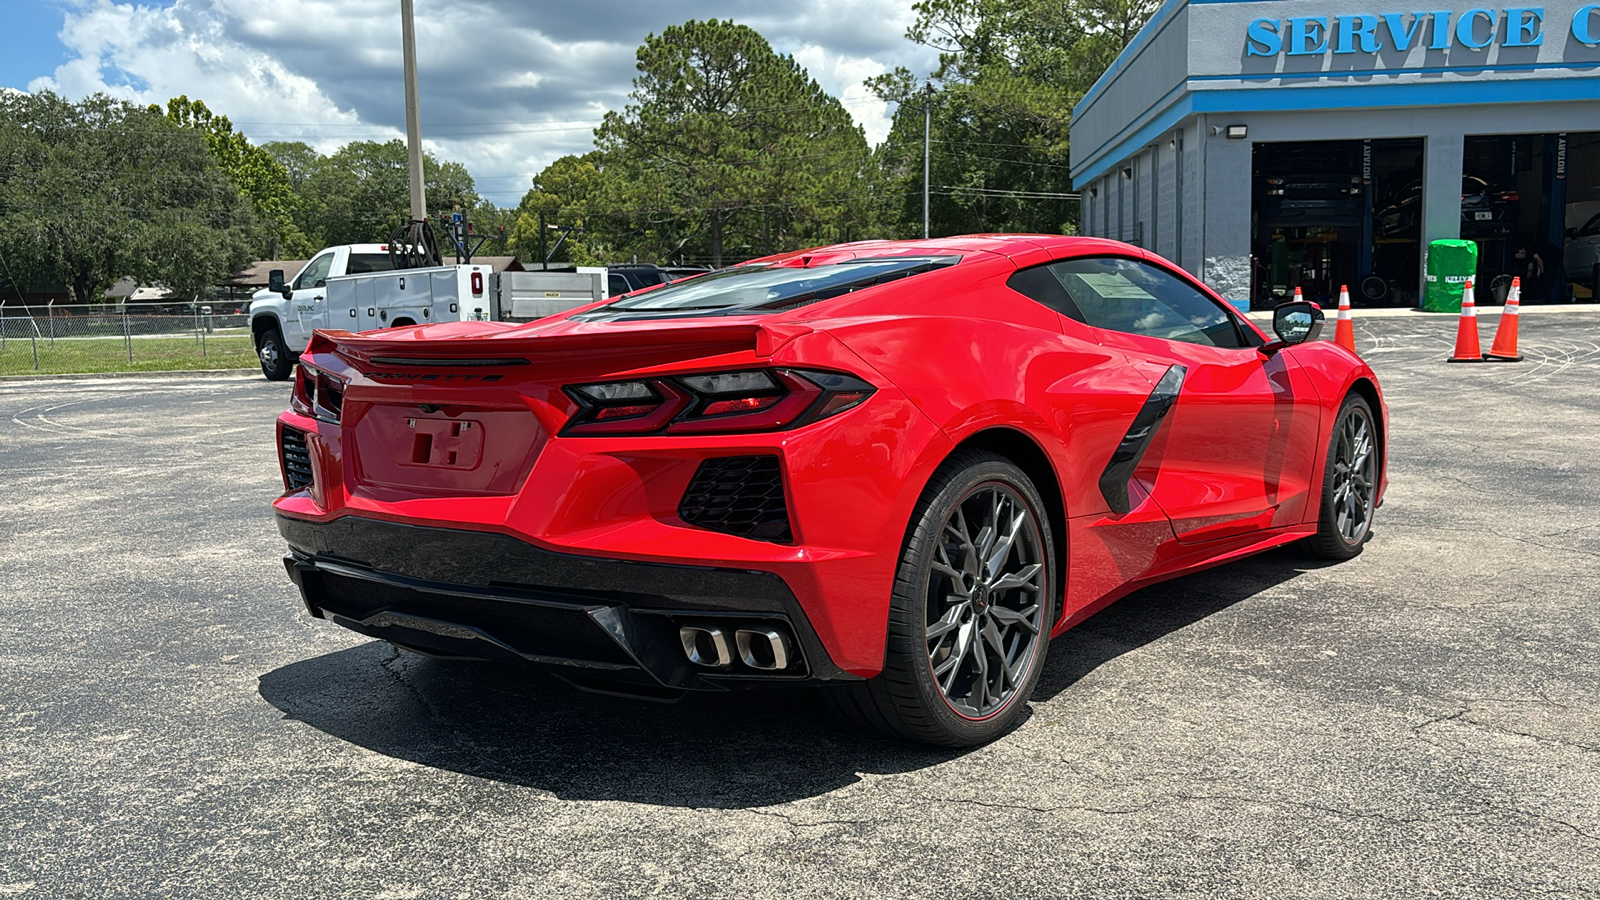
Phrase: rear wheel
pixel 276 361
pixel 970 616
pixel 1349 483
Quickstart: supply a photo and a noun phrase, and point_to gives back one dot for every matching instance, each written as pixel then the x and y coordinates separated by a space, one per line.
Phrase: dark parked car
pixel 1309 188
pixel 1486 210
pixel 627 277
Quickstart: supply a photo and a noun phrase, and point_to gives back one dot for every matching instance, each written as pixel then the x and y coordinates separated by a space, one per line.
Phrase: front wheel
pixel 276 361
pixel 1349 483
pixel 971 611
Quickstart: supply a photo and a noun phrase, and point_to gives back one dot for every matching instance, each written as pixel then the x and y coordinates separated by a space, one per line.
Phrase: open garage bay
pixel 1420 720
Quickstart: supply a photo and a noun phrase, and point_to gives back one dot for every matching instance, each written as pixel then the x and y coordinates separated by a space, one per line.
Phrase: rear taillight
pixel 713 402
pixel 317 394
pixel 1509 196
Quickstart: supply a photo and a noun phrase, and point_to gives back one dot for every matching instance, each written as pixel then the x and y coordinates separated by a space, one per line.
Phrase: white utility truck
pixel 355 287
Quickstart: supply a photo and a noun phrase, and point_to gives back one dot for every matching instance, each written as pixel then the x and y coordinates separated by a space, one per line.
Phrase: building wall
pixel 1217 175
pixel 1213 56
pixel 1152 68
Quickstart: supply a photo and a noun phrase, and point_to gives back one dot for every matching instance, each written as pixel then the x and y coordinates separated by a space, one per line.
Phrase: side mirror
pixel 1295 322
pixel 275 283
pixel 1572 233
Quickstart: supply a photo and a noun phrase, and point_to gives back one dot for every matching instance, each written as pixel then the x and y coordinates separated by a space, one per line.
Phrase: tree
pixel 1010 72
pixel 560 196
pixel 299 161
pixel 101 189
pixel 260 177
pixel 727 146
pixel 362 192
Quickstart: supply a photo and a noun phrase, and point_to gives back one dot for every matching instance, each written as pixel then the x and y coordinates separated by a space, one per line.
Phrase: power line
pixel 951 190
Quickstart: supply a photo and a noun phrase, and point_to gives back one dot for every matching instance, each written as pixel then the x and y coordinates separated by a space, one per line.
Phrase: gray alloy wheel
pixel 276 363
pixel 971 610
pixel 1350 483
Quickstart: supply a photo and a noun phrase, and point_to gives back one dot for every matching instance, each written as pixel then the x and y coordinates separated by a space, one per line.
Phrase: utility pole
pixel 927 144
pixel 419 205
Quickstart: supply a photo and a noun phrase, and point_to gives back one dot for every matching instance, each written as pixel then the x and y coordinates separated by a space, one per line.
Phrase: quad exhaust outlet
pixel 706 646
pixel 762 648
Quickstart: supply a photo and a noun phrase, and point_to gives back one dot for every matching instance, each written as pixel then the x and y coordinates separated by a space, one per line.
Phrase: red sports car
pixel 894 467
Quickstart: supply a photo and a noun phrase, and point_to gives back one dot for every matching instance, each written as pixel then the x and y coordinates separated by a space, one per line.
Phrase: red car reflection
pixel 895 468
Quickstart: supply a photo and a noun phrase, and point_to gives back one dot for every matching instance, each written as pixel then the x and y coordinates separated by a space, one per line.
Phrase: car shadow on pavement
pixel 731 750
pixel 1156 611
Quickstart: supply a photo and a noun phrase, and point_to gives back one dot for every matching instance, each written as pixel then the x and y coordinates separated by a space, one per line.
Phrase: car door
pixel 1234 452
pixel 308 299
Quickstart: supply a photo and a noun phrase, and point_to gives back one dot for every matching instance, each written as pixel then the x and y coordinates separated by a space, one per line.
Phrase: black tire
pixel 1349 483
pixel 1002 616
pixel 277 363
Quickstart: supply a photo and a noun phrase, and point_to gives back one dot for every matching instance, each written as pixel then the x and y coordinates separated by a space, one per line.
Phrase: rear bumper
pixel 485 595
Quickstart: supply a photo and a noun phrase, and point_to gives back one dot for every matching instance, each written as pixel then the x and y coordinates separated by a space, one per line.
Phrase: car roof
pixel 1022 249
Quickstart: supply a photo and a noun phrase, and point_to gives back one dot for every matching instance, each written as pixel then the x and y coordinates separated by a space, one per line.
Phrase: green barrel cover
pixel 1450 264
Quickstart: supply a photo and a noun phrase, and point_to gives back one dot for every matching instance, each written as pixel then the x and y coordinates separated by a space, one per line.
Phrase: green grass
pixel 99 355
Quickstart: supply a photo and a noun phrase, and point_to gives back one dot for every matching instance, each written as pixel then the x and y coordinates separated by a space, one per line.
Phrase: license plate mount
pixel 443 443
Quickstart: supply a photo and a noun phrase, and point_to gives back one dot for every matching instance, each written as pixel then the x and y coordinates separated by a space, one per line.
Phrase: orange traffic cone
pixel 1467 349
pixel 1344 332
pixel 1505 337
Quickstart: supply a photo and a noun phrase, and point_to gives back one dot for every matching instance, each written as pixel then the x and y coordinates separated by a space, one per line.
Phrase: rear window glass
pixel 369 262
pixel 754 289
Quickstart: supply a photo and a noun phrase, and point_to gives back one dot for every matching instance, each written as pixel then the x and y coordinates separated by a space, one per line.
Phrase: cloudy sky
pixel 506 85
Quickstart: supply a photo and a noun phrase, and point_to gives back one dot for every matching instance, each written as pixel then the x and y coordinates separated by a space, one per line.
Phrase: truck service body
pixel 355 287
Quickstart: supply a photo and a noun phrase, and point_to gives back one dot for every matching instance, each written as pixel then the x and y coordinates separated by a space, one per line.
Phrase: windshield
pixel 762 288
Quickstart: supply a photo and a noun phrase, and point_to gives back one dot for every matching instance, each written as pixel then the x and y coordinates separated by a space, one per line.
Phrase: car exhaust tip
pixel 765 649
pixel 706 646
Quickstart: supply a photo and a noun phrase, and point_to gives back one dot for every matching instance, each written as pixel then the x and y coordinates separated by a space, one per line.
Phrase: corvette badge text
pixel 1475 29
pixel 430 376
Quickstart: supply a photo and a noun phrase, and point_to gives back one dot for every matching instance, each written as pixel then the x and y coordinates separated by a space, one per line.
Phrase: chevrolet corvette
pixel 891 469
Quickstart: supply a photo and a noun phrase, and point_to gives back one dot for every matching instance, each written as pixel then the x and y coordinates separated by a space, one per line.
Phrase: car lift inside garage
pixel 1331 213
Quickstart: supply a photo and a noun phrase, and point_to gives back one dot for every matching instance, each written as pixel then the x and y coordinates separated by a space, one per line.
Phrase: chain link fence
pixel 61 339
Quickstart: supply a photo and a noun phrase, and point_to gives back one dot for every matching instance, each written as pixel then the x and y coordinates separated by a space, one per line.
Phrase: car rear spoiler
pixel 485 341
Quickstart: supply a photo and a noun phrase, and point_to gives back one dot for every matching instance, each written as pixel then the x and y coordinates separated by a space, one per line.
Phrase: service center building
pixel 1313 143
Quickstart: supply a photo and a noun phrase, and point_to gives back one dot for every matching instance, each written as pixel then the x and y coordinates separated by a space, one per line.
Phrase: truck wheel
pixel 276 360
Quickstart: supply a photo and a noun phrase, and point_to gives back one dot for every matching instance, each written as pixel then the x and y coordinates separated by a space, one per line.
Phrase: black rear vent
pixel 296 459
pixel 740 495
pixel 530 629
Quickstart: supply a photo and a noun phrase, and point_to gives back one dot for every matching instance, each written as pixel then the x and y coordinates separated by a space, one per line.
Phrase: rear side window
pixel 369 262
pixel 761 288
pixel 1137 298
pixel 1041 286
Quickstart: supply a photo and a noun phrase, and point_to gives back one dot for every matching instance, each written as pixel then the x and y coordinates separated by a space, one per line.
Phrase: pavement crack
pixel 1023 807
pixel 1462 716
pixel 789 819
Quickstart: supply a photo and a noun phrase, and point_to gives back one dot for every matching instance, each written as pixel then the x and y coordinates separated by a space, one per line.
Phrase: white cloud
pixel 506 86
pixel 843 77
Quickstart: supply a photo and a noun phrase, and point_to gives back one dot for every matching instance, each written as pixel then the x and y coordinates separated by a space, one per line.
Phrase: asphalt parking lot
pixel 1422 720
